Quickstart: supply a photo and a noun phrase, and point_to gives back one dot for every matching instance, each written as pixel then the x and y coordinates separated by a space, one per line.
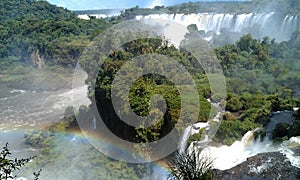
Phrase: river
pixel 23 110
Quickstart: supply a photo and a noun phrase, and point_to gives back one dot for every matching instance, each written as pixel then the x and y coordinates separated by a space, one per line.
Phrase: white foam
pixel 17 91
pixel 286 149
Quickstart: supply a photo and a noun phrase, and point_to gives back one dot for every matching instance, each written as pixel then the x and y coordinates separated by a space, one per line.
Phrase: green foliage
pixel 59 154
pixel 197 137
pixel 146 87
pixel 230 131
pixel 36 26
pixel 63 157
pixel 247 112
pixel 37 138
pixel 190 166
pixel 44 138
pixel 31 8
pixel 259 66
pixel 9 166
pixel 290 6
pixel 233 103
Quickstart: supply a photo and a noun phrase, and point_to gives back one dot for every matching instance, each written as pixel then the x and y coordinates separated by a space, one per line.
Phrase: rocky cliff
pixel 272 165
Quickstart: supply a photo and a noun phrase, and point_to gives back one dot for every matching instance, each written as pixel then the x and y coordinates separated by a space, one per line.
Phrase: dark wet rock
pixel 265 166
pixel 279 117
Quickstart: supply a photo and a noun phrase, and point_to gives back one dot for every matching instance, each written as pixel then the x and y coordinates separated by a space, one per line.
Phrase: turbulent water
pixel 226 157
pixel 22 110
pixel 258 24
pixel 32 109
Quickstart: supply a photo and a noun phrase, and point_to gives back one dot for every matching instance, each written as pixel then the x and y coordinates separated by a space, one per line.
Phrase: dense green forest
pixel 31 9
pixel 262 76
pixel 38 30
pixel 39 40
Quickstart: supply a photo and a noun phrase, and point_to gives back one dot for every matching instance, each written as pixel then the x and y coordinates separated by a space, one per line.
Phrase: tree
pixel 233 103
pixel 9 166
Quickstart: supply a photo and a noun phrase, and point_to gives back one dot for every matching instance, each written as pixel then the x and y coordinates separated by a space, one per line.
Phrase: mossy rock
pixel 197 137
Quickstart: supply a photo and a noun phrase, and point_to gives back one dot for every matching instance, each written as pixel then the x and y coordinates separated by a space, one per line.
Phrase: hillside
pixel 37 40
pixel 39 34
pixel 31 8
pixel 261 78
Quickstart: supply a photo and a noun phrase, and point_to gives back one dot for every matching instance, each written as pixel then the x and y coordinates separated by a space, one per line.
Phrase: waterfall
pixel 290 23
pixel 184 138
pixel 194 128
pixel 94 123
pixel 226 157
pixel 189 131
pixel 286 149
pixel 258 24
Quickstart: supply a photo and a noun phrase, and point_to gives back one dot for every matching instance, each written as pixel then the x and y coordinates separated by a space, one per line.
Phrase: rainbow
pixel 16 138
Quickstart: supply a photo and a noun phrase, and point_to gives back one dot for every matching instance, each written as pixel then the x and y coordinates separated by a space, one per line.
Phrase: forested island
pixel 262 79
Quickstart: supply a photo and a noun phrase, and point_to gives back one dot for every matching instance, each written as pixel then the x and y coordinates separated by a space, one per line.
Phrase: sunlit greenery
pixel 262 77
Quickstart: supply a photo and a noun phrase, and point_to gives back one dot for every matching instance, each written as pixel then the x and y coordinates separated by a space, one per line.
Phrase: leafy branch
pixel 8 166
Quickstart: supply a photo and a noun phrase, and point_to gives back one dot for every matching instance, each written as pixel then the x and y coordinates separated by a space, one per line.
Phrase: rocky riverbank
pixel 272 165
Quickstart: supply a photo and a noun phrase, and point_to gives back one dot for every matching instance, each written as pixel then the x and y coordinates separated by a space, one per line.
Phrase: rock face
pixel 273 165
pixel 37 60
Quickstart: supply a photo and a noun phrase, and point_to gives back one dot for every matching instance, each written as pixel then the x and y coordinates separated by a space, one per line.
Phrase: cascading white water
pixel 290 23
pixel 286 149
pixel 189 131
pixel 260 24
pixel 94 124
pixel 226 157
pixel 194 128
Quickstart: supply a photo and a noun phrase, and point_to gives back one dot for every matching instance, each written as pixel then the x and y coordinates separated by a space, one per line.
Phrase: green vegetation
pixel 42 36
pixel 58 154
pixel 260 80
pixel 27 9
pixel 282 6
pixel 145 87
pixel 9 166
pixel 261 77
pixel 52 41
pixel 39 41
pixel 197 137
pixel 190 166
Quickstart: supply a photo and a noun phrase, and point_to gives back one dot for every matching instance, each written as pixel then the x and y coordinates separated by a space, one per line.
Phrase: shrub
pixel 190 166
pixel 9 166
